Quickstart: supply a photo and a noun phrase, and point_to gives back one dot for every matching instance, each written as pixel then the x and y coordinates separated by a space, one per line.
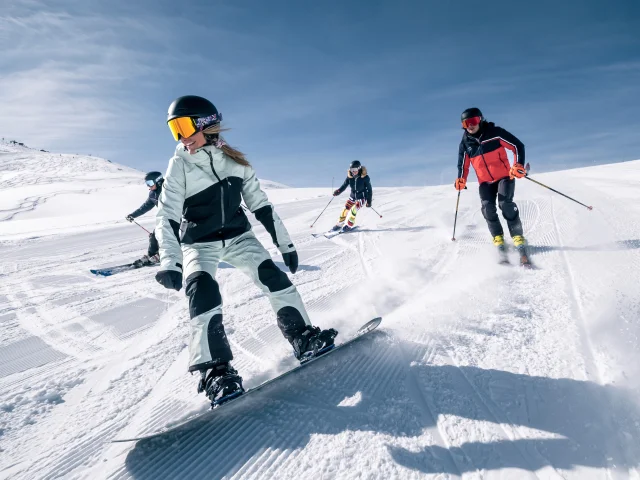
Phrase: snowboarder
pixel 483 145
pixel 200 223
pixel 154 181
pixel 361 195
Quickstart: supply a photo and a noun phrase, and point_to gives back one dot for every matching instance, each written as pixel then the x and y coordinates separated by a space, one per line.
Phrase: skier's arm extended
pixel 368 190
pixel 342 187
pixel 463 162
pixel 259 205
pixel 507 140
pixel 169 214
pixel 144 208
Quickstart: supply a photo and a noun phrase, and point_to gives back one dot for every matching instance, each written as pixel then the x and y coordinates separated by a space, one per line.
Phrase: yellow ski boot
pixel 521 244
pixel 498 241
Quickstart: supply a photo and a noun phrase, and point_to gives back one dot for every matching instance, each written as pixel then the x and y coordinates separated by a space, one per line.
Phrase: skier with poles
pixel 361 195
pixel 154 181
pixel 484 145
pixel 200 223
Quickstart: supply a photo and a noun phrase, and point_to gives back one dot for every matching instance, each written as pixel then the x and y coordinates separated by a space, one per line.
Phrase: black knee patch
pixel 272 277
pixel 290 322
pixel 203 292
pixel 489 211
pixel 509 210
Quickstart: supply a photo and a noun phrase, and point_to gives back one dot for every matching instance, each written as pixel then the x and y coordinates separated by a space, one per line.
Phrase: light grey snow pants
pixel 208 344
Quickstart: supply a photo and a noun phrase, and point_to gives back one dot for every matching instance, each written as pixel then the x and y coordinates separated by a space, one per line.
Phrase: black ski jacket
pixel 152 201
pixel 360 185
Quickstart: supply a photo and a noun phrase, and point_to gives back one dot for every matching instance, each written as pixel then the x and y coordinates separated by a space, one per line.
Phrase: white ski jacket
pixel 200 202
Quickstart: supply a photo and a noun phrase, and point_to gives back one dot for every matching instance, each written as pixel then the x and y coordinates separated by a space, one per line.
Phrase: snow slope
pixel 479 370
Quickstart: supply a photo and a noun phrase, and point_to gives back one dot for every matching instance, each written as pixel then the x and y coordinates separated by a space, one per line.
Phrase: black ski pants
pixel 153 245
pixel 503 190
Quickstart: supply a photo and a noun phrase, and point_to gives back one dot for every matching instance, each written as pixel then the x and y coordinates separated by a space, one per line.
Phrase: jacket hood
pixel 363 172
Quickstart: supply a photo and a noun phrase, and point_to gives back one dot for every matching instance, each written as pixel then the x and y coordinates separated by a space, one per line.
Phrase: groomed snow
pixel 478 371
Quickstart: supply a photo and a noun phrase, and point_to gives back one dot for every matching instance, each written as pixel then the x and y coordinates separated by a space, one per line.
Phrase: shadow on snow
pixel 604 247
pixel 398 395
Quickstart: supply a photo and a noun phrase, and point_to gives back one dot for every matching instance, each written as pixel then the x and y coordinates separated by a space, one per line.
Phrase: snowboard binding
pixel 221 384
pixel 313 342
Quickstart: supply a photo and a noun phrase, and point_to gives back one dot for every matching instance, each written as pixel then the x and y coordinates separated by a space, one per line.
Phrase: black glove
pixel 291 260
pixel 336 192
pixel 369 204
pixel 170 279
pixel 129 218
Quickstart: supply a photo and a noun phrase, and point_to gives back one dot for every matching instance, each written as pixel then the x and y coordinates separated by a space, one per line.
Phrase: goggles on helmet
pixel 182 127
pixel 187 126
pixel 471 122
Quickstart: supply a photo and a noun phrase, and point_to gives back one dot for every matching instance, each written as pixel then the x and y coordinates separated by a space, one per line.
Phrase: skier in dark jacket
pixel 484 145
pixel 154 181
pixel 361 194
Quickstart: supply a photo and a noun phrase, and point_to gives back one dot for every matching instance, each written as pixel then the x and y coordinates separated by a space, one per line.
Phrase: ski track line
pixel 511 432
pixel 592 373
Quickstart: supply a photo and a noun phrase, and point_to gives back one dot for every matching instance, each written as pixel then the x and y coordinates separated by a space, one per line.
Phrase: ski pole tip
pixel 453 239
pixel 589 208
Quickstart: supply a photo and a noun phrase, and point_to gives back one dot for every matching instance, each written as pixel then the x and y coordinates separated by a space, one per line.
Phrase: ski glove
pixel 460 184
pixel 336 192
pixel 129 218
pixel 291 260
pixel 170 279
pixel 517 171
pixel 368 204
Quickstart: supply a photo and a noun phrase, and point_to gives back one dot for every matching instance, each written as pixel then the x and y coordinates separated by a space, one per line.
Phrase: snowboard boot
pixel 313 342
pixel 221 384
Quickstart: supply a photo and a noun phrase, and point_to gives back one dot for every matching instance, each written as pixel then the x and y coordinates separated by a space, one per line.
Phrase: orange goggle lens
pixel 182 127
pixel 471 122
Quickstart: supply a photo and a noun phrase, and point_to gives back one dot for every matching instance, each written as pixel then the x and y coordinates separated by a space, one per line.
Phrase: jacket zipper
pixel 221 193
pixel 482 155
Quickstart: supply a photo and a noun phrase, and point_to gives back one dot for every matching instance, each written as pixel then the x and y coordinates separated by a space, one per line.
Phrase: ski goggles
pixel 150 183
pixel 184 127
pixel 471 122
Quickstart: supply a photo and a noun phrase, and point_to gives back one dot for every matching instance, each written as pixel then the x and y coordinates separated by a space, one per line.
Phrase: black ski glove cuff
pixel 291 260
pixel 170 279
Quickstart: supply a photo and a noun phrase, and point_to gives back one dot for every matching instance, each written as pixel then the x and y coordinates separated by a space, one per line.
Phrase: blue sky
pixel 306 87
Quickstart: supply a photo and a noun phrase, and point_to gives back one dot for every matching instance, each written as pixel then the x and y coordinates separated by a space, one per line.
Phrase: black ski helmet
pixel 155 177
pixel 470 113
pixel 192 106
pixel 355 164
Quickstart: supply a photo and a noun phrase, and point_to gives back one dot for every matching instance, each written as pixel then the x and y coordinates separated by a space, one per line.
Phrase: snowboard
pixel 333 233
pixel 362 331
pixel 108 271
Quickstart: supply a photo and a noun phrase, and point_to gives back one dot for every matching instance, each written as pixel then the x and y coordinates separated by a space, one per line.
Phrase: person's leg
pixel 247 254
pixel 347 206
pixel 354 211
pixel 208 344
pixel 488 193
pixel 510 212
pixel 153 245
